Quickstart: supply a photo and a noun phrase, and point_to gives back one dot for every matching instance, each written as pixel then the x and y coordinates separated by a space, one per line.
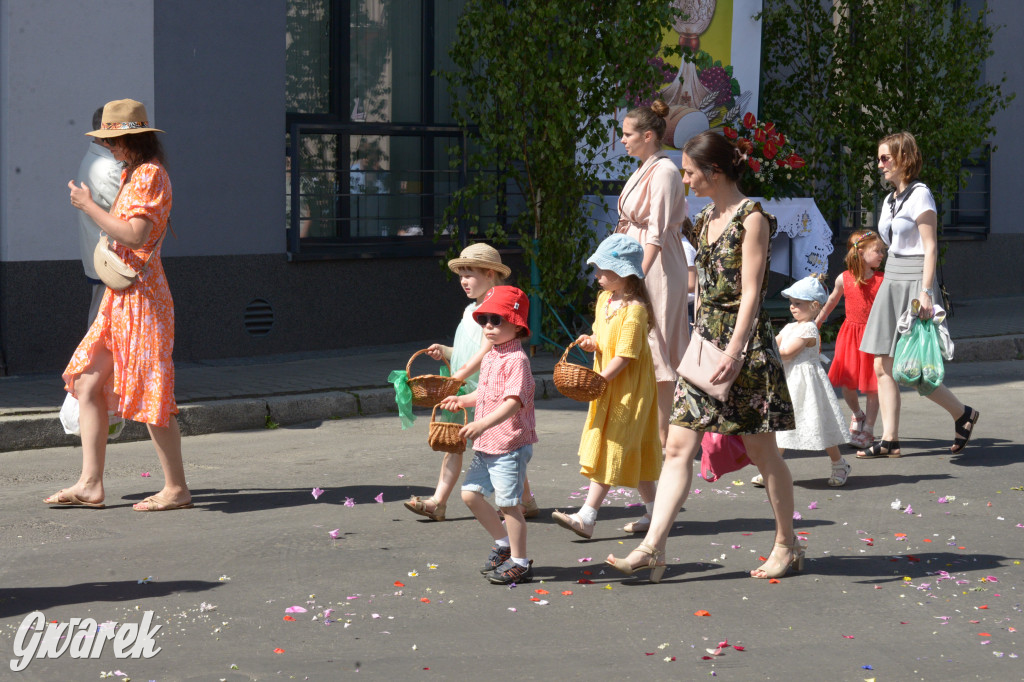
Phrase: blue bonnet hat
pixel 621 254
pixel 807 289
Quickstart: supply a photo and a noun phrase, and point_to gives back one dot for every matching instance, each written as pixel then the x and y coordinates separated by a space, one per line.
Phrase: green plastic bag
pixel 403 394
pixel 918 362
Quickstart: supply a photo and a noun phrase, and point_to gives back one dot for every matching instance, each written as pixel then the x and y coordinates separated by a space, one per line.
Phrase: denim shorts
pixel 503 475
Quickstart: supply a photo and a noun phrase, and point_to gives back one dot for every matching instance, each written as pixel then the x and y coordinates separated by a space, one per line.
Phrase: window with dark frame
pixel 370 141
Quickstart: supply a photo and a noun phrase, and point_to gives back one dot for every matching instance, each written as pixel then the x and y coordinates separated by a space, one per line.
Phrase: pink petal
pixel 812 505
pixel 797 516
pixel 349 502
pixel 295 609
pixel 317 492
pixel 145 474
pixel 379 499
pixel 336 533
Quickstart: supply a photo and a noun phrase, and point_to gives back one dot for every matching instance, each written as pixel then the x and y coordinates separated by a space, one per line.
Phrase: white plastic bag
pixel 69 419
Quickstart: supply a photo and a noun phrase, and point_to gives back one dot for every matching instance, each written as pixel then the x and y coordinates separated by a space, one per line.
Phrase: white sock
pixel 503 542
pixel 521 562
pixel 587 515
pixel 650 509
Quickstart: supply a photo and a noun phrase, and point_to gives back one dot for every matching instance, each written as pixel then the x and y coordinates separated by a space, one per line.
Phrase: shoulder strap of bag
pixel 155 246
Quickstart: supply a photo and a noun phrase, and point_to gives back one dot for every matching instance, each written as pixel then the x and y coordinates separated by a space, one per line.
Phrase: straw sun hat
pixel 123 117
pixel 483 256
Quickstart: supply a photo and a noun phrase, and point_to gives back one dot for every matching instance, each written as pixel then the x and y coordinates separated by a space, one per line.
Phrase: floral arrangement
pixel 775 167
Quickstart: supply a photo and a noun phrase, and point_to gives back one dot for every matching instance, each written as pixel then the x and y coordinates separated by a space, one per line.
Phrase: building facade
pixel 309 147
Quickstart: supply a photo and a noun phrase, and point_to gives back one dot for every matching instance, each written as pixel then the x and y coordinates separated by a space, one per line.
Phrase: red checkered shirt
pixel 505 373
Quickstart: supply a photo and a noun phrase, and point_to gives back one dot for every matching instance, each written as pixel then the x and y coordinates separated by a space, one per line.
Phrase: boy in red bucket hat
pixel 503 433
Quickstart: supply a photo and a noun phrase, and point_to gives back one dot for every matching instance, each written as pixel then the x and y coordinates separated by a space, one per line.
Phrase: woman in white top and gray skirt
pixel 908 224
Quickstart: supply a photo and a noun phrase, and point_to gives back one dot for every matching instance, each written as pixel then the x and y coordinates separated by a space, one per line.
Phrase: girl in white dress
pixel 819 419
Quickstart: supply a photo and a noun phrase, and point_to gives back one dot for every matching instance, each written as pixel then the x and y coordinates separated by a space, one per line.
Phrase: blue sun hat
pixel 807 289
pixel 621 254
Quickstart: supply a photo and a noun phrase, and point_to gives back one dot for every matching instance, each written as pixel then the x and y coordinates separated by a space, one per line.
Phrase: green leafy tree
pixel 840 75
pixel 531 81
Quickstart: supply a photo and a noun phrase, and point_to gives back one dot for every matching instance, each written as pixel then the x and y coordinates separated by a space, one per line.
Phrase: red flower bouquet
pixel 774 168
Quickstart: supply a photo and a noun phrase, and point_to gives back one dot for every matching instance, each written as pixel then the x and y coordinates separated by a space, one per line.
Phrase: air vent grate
pixel 259 317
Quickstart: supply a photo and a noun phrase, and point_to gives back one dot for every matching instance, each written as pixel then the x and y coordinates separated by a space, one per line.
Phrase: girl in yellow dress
pixel 620 444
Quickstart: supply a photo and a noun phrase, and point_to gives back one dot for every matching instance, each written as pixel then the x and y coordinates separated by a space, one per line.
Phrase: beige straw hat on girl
pixel 483 256
pixel 123 117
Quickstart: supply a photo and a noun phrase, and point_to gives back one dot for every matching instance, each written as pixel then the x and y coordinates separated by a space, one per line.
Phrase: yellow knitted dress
pixel 620 443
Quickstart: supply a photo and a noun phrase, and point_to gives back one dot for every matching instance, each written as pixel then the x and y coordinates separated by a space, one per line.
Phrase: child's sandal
pixel 417 505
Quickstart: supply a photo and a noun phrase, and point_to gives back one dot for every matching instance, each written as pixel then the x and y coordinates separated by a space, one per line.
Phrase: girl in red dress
pixel 852 370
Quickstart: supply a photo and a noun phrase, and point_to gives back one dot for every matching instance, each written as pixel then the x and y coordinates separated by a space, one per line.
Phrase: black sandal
pixel 964 429
pixel 891 447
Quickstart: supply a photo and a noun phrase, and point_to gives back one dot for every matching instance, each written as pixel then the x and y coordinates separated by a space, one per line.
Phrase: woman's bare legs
pixel 666 397
pixel 673 487
pixel 889 402
pixel 764 454
pixel 94 424
pixel 167 440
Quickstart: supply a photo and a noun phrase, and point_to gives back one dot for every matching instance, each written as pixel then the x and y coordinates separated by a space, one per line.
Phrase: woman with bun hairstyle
pixel 652 208
pixel 908 225
pixel 733 255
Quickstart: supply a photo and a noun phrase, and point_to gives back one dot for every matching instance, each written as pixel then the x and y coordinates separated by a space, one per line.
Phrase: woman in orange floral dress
pixel 123 365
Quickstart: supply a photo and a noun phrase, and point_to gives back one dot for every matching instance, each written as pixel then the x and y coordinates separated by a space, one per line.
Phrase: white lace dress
pixel 819 419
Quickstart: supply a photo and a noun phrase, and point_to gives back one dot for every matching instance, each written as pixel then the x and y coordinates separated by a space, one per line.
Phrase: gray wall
pixel 59 60
pixel 219 73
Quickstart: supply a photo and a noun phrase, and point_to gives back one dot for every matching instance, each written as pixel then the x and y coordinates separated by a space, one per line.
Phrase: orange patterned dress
pixel 137 324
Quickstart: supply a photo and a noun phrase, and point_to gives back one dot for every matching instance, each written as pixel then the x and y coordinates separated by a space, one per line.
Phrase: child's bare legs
pixel 515 524
pixel 833 453
pixel 484 513
pixel 647 490
pixel 583 520
pixel 852 399
pixel 94 424
pixel 451 467
pixel 167 440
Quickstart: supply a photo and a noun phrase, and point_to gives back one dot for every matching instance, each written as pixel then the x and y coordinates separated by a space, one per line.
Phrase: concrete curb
pixel 43 429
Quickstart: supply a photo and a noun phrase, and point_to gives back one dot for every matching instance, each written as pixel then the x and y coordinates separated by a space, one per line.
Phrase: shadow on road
pixel 20 600
pixel 239 500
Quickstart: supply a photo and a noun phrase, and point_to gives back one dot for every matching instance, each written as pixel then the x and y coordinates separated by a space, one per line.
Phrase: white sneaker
pixel 758 481
pixel 840 472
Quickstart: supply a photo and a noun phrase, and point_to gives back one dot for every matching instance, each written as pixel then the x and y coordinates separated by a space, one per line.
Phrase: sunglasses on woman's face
pixel 884 159
pixel 483 319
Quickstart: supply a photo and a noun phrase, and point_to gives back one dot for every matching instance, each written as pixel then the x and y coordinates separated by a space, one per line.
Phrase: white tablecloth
pixel 800 248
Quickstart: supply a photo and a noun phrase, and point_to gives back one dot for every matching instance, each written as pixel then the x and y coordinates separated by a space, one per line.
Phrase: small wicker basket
pixel 578 382
pixel 430 389
pixel 444 436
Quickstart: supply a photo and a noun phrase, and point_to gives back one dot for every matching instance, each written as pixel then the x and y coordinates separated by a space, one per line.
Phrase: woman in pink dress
pixel 652 208
pixel 123 365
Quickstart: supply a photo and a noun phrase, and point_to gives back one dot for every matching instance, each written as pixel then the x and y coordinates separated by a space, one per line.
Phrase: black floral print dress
pixel 759 401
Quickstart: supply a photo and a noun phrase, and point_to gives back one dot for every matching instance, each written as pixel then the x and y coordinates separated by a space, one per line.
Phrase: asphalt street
pixel 914 568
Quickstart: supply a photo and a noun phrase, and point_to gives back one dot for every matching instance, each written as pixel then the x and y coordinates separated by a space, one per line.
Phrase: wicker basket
pixel 578 382
pixel 444 436
pixel 430 389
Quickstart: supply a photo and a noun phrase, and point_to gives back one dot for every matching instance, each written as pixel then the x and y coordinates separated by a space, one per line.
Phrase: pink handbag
pixel 722 454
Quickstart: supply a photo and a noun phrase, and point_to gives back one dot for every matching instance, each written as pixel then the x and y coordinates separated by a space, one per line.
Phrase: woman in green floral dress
pixel 733 254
